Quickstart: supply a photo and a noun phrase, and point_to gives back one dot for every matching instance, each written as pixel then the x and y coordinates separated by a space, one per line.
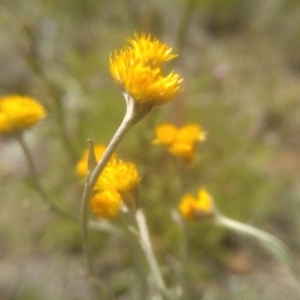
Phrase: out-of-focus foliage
pixel 240 61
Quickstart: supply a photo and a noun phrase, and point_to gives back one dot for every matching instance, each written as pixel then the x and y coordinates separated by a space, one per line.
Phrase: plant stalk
pixel 134 113
pixel 149 253
pixel 270 242
pixel 35 178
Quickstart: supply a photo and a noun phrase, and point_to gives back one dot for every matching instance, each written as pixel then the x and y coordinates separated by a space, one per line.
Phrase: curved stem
pixel 88 189
pixel 63 132
pixel 133 114
pixel 147 247
pixel 270 242
pixel 36 180
pixel 89 185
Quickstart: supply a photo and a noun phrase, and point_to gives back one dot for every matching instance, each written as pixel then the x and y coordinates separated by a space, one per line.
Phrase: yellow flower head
pixel 181 142
pixel 192 208
pixel 190 134
pixel 106 204
pixel 183 150
pixel 82 165
pixel 137 70
pixel 120 176
pixel 19 112
pixel 165 134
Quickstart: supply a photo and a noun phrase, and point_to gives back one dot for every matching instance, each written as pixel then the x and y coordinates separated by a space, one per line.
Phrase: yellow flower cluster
pixel 192 208
pixel 181 142
pixel 117 180
pixel 137 69
pixel 19 112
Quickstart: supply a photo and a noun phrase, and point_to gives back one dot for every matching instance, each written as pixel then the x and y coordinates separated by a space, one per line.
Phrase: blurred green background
pixel 240 61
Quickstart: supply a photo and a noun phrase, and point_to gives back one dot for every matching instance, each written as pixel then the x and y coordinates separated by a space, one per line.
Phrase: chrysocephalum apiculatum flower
pixel 181 142
pixel 165 134
pixel 192 208
pixel 106 204
pixel 137 69
pixel 18 113
pixel 120 176
pixel 116 184
pixel 82 165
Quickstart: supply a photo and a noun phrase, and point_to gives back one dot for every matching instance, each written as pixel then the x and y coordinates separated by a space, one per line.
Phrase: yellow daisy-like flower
pixel 120 176
pixel 180 142
pixel 190 134
pixel 137 70
pixel 166 134
pixel 82 165
pixel 19 112
pixel 192 208
pixel 115 185
pixel 185 151
pixel 106 204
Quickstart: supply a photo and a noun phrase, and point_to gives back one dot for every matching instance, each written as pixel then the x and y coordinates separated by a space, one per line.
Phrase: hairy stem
pixel 88 188
pixel 134 113
pixel 270 242
pixel 147 247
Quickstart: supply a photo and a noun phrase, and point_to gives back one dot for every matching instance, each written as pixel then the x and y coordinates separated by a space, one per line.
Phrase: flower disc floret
pixel 150 52
pixel 18 113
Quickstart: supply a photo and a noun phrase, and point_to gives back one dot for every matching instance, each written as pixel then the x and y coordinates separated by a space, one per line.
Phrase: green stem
pixel 184 254
pixel 133 114
pixel 124 127
pixel 88 189
pixel 147 247
pixel 270 242
pixel 35 178
pixel 63 132
pixel 105 226
pixel 137 257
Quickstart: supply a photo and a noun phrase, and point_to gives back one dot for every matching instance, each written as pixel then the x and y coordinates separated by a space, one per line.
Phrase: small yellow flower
pixel 165 134
pixel 19 112
pixel 137 70
pixel 120 176
pixel 106 204
pixel 184 151
pixel 192 208
pixel 190 134
pixel 114 187
pixel 181 142
pixel 82 165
